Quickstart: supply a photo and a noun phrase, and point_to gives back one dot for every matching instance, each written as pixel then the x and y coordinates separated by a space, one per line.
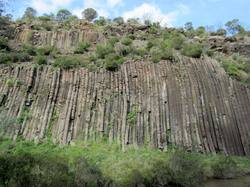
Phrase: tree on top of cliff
pixel 189 26
pixel 89 14
pixel 234 27
pixel 63 14
pixel 29 14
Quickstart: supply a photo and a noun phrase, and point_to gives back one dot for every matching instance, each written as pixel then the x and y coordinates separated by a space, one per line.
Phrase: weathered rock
pixel 191 103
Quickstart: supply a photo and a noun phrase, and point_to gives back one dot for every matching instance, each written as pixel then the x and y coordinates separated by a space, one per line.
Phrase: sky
pixel 171 13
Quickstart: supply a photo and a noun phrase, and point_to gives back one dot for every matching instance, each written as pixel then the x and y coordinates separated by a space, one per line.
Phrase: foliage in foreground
pixel 90 164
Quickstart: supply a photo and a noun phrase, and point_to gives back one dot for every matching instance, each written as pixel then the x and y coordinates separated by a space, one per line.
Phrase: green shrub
pixel 151 43
pixel 192 50
pixel 107 27
pixel 37 27
pixel 134 57
pixel 4 58
pixel 41 60
pixel 167 55
pixel 235 70
pixel 142 52
pixel 126 41
pixel 248 79
pixel 4 44
pixel 82 47
pixel 112 41
pixel 46 50
pixel 210 53
pixel 92 57
pixel 47 26
pixel 112 62
pixel 177 42
pixel 87 174
pixel 10 82
pixel 13 57
pixel 238 58
pixel 132 36
pixel 153 30
pixel 155 51
pixel 221 32
pixel 186 170
pixel 19 83
pixel 124 50
pixel 174 39
pixel 25 169
pixel 102 50
pixel 67 62
pixel 155 58
pixel 31 50
pixel 224 167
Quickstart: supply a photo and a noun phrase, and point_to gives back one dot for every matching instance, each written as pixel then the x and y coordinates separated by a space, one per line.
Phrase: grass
pixel 119 166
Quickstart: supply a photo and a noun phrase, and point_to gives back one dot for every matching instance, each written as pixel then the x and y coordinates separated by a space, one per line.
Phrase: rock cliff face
pixel 190 102
pixel 65 40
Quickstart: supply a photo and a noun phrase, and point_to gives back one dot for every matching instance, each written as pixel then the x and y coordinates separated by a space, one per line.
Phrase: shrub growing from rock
pixel 112 62
pixel 192 50
pixel 126 41
pixel 82 47
pixel 30 49
pixel 41 60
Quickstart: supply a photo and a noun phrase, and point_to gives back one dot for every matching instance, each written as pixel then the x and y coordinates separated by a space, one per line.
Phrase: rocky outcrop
pixel 229 45
pixel 65 40
pixel 190 102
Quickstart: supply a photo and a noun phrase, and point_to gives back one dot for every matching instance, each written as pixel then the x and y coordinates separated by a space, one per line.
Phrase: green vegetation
pixel 67 62
pixel 237 69
pixel 13 57
pixel 155 58
pixel 168 54
pixel 41 60
pixel 126 41
pixel 31 50
pixel 112 62
pixel 63 15
pixel 102 50
pixel 99 164
pixel 10 82
pixel 192 50
pixel 112 41
pixel 45 50
pixel 155 42
pixel 224 167
pixel 82 47
pixel 89 14
pixel 29 14
pixel 4 44
pixel 47 26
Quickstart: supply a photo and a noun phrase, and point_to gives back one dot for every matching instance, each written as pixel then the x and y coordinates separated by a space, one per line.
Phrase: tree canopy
pixel 234 27
pixel 89 14
pixel 29 14
pixel 63 14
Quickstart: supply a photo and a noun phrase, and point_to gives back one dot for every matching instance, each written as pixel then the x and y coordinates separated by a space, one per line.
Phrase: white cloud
pixel 46 6
pixel 113 3
pixel 184 9
pixel 77 12
pixel 152 12
pixel 102 12
pixel 91 4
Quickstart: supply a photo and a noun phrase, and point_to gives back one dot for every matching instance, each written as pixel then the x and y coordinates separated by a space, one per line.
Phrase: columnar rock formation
pixel 189 102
